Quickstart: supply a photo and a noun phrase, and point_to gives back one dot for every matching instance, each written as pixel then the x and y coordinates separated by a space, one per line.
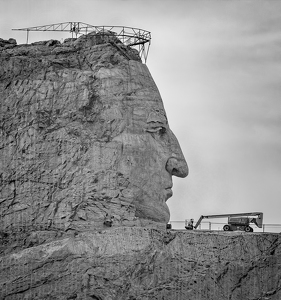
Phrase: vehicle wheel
pixel 226 228
pixel 248 229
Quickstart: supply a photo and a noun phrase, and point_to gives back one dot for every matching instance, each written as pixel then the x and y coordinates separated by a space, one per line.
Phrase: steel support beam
pixel 133 37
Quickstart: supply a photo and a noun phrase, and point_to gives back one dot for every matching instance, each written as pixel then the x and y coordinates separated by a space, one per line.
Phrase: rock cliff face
pixel 85 141
pixel 86 165
pixel 143 264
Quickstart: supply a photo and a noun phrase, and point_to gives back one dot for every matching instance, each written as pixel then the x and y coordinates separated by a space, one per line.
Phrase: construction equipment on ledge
pixel 235 221
pixel 133 37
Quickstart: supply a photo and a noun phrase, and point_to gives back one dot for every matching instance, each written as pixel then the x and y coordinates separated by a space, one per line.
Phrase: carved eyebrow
pixel 156 129
pixel 157 117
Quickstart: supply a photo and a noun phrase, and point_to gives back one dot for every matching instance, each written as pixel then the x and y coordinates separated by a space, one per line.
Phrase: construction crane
pixel 239 221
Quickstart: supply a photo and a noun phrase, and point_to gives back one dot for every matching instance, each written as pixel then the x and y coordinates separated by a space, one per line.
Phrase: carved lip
pixel 169 193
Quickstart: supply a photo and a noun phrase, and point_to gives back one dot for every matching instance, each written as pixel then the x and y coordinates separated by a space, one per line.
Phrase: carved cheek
pixel 136 149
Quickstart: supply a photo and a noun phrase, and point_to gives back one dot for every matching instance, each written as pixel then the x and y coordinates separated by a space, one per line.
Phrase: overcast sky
pixel 217 65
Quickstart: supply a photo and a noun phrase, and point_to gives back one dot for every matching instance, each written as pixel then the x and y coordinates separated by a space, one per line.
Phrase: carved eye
pixel 159 129
pixel 163 130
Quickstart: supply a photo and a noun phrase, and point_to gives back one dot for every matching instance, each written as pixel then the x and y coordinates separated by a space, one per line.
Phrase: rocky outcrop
pixel 144 264
pixel 86 165
pixel 85 142
pixel 86 154
pixel 10 43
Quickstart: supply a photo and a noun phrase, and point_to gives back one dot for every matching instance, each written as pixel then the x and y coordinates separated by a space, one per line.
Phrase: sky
pixel 217 64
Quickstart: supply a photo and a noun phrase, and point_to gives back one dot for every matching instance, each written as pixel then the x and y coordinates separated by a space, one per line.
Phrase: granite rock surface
pixel 142 264
pixel 85 141
pixel 86 165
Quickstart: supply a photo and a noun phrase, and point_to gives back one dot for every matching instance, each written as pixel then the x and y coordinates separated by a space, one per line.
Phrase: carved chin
pixel 157 212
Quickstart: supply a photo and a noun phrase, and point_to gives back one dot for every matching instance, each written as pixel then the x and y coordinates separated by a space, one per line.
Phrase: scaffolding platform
pixel 137 38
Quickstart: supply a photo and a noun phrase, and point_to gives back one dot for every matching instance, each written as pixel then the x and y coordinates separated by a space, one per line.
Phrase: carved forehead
pixel 134 92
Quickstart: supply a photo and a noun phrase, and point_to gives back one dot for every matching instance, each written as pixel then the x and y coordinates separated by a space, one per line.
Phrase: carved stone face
pixel 150 153
pixel 86 141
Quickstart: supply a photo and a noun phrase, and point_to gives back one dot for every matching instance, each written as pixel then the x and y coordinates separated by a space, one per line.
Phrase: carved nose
pixel 177 167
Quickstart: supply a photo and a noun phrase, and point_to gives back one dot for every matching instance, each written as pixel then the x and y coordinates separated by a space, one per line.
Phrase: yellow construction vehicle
pixel 235 221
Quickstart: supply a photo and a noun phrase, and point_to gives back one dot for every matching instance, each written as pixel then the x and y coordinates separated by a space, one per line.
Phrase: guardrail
pixel 24 227
pixel 275 228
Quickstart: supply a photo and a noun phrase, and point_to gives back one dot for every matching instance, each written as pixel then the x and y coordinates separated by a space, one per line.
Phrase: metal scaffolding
pixel 133 37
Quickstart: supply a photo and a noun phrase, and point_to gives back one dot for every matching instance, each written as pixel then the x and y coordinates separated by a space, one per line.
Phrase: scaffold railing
pixel 137 38
pixel 207 225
